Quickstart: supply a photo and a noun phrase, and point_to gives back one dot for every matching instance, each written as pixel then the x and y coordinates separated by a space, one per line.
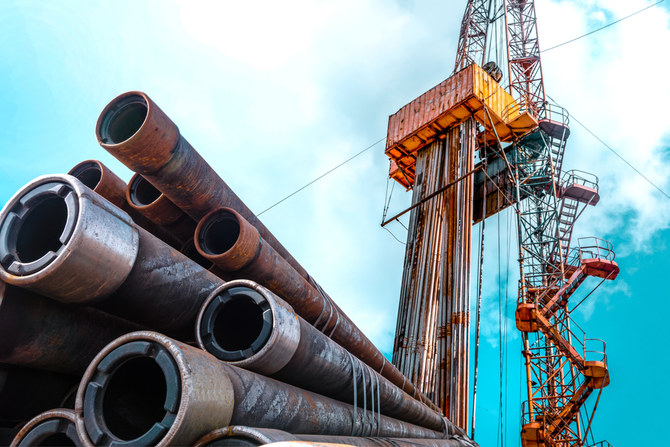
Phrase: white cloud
pixel 612 81
pixel 263 34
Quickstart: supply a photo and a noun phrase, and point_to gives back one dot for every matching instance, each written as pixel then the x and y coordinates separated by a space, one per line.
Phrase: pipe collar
pixel 61 239
pixel 266 338
pixel 227 239
pixel 144 197
pixel 53 427
pixel 147 389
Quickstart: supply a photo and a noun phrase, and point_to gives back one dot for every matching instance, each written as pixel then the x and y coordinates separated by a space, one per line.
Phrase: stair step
pixel 570 410
pixel 557 340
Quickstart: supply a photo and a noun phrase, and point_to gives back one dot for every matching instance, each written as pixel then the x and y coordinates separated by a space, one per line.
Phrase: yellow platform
pixel 469 93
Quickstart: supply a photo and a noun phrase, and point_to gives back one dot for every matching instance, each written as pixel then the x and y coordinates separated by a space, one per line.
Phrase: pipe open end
pixel 52 433
pixel 133 397
pixel 88 172
pixel 37 228
pixel 141 192
pixel 52 428
pixel 123 119
pixel 236 324
pixel 219 233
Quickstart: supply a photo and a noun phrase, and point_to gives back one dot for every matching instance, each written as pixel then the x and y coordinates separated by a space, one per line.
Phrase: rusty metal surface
pixel 51 428
pixel 468 93
pixel 98 257
pixel 59 238
pixel 201 394
pixel 154 391
pixel 98 177
pixel 42 333
pixel 145 199
pixel 432 334
pixel 246 325
pixel 140 135
pixel 237 435
pixel 233 244
pixel 291 350
pixel 26 392
pixel 164 290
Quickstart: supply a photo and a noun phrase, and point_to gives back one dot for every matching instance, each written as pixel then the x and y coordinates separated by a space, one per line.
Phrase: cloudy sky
pixel 273 94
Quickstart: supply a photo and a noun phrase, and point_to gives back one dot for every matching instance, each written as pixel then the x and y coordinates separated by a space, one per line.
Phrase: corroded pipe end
pixel 240 435
pixel 150 202
pixel 59 238
pixel 137 132
pixel 98 177
pixel 227 239
pixel 147 389
pixel 245 324
pixel 53 427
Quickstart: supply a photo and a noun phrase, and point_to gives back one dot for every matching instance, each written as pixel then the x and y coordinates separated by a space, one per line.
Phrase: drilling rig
pixel 485 139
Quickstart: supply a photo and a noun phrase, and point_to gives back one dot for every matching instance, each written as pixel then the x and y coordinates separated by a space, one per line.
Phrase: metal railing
pixel 577 177
pixel 590 248
pixel 554 112
pixel 595 349
pixel 595 248
pixel 538 408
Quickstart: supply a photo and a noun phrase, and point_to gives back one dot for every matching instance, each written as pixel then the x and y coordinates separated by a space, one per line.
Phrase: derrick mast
pixel 484 139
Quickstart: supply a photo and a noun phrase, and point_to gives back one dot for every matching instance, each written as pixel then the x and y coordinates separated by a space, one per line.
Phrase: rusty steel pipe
pixel 145 199
pixel 147 389
pixel 101 179
pixel 248 326
pixel 52 428
pixel 26 392
pixel 224 237
pixel 42 333
pixel 139 134
pixel 242 436
pixel 60 239
pixel 159 216
pixel 98 177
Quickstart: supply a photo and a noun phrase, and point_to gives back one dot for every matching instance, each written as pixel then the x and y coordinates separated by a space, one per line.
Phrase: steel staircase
pixel 546 313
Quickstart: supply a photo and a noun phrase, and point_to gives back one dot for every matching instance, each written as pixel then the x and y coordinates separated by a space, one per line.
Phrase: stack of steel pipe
pixel 176 316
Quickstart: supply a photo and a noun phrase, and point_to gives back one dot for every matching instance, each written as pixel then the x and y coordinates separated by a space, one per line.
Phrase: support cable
pixel 501 416
pixel 588 428
pixel 616 153
pixel 590 293
pixel 431 195
pixel 479 306
pixel 602 27
pixel 394 236
pixel 323 175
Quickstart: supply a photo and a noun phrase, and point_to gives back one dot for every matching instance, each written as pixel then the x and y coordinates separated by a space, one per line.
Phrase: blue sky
pixel 273 94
